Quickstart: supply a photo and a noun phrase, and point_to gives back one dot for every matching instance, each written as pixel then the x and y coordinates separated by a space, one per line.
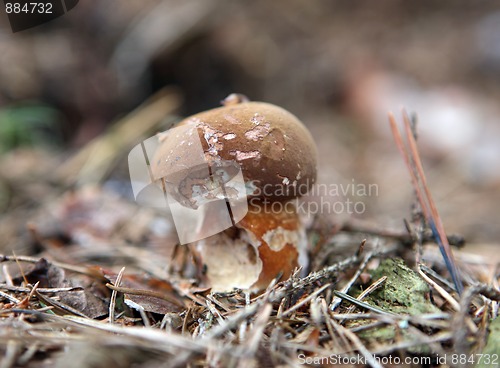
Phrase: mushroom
pixel 276 157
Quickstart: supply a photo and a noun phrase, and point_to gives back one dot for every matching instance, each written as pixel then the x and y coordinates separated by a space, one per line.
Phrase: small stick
pixel 305 300
pixel 415 168
pixel 331 271
pixel 21 289
pixel 372 287
pixel 66 266
pixel 60 305
pixel 368 291
pixel 144 316
pixel 7 276
pixel 437 276
pixel 38 312
pixel 214 311
pixel 434 219
pixel 144 292
pixel 10 297
pixel 454 304
pixel 370 359
pixel 261 320
pixel 336 301
pixel 12 350
pixel 361 247
pixel 112 302
pixel 28 354
pixel 362 304
pixel 212 298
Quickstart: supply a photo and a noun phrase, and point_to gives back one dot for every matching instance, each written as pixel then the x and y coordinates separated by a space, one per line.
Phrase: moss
pixel 404 291
pixel 491 352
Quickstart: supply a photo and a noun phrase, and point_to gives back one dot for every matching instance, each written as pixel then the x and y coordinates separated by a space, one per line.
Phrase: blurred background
pixel 339 66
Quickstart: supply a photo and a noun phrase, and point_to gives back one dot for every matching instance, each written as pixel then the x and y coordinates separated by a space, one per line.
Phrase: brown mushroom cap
pixel 275 151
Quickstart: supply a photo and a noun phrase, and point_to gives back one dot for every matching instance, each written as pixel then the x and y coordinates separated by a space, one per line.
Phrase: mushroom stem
pixel 265 245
